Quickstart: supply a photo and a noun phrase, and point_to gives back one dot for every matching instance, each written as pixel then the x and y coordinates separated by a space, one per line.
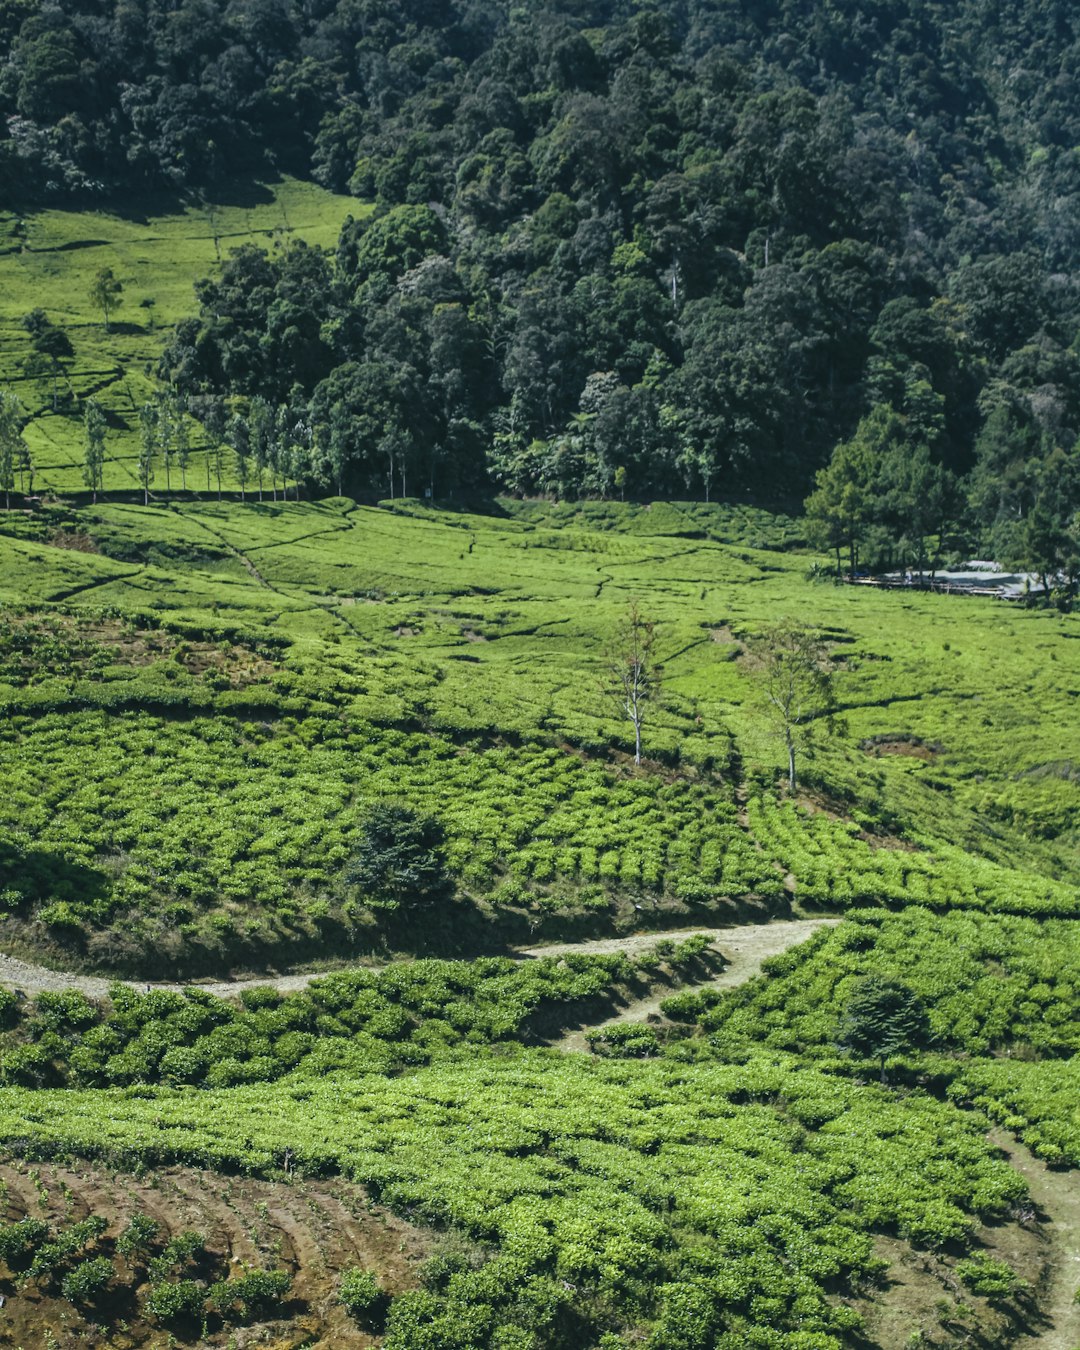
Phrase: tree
pixel 796 684
pixel 147 446
pixel 181 438
pixel 93 463
pixel 106 293
pixel 839 509
pixel 165 434
pixel 240 440
pixel 50 347
pixel 261 434
pixel 399 857
pixel 633 674
pixel 883 1018
pixel 13 448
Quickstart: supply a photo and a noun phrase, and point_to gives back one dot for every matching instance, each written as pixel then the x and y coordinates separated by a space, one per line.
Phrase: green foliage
pixel 372 1021
pixel 993 1279
pixel 359 1293
pixel 55 1255
pixel 883 1018
pixel 182 1250
pixel 255 1293
pixel 399 858
pixel 87 1281
pixel 138 1237
pixel 20 1240
pixel 758 1183
pixel 176 1301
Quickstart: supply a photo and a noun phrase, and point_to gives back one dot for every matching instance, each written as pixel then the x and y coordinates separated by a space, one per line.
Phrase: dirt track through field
pixel 744 947
pixel 1057 1196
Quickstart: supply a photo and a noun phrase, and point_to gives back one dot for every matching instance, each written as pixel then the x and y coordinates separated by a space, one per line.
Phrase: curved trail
pixel 745 947
pixel 1057 1196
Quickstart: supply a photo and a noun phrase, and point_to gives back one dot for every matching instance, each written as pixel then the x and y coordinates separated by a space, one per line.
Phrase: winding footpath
pixel 1057 1197
pixel 743 946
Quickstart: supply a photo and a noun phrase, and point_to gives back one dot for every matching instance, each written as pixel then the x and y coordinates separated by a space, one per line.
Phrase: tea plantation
pixel 209 712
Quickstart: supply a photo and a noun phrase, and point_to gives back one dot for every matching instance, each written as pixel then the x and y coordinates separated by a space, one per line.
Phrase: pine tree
pixel 884 1018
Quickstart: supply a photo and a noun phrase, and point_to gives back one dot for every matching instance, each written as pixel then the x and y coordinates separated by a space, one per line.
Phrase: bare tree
pixel 796 684
pixel 633 674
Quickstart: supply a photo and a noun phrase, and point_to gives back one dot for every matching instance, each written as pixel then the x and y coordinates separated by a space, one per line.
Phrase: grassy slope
pixel 455 659
pixel 157 251
pixel 406 635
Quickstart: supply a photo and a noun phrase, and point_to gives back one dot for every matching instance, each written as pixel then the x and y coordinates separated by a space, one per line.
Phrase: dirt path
pixel 745 948
pixel 1057 1196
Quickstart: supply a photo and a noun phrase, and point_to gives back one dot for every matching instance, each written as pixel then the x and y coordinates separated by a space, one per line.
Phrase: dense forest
pixel 617 249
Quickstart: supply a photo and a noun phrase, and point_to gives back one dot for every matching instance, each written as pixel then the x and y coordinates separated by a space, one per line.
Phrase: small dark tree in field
pixel 884 1018
pixel 633 674
pixel 94 461
pixel 399 857
pixel 796 684
pixel 50 347
pixel 106 293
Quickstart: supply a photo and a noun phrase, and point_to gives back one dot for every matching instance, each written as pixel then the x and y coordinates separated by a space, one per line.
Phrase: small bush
pixel 19 1241
pixel 176 1301
pixel 138 1237
pixel 359 1293
pixel 256 1292
pixel 186 1246
pixel 87 1281
pixel 993 1279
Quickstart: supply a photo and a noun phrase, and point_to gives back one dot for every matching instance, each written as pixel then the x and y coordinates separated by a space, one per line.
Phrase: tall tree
pixel 12 445
pixel 148 440
pixel 181 437
pixel 240 439
pixel 633 675
pixel 50 349
pixel 94 457
pixel 106 293
pixel 796 685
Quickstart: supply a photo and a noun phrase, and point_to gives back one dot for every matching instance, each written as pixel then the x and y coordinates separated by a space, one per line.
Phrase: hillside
pixel 473 876
pixel 201 677
pixel 607 250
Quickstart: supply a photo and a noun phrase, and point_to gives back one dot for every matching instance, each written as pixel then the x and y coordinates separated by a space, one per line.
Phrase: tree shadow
pixel 38 875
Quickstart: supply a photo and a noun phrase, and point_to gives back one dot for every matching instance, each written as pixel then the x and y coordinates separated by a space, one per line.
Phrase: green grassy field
pixel 157 251
pixel 211 709
pixel 200 704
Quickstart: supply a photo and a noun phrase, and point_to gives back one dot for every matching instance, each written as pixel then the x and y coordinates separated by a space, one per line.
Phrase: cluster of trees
pixel 624 248
pixel 884 499
pixel 644 249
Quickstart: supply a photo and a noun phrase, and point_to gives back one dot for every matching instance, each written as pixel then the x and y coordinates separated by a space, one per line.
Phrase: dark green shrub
pixel 398 857
pixel 256 1292
pixel 87 1281
pixel 993 1279
pixel 138 1237
pixel 176 1301
pixel 359 1293
pixel 186 1247
pixel 19 1241
pixel 68 1242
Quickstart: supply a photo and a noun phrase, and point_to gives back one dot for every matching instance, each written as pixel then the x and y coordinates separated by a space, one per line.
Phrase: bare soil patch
pixel 313 1229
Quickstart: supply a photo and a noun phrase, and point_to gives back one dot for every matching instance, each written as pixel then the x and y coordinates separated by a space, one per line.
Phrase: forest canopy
pixel 617 249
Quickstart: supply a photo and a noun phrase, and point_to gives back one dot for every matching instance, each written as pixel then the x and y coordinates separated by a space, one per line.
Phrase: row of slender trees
pixel 792 667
